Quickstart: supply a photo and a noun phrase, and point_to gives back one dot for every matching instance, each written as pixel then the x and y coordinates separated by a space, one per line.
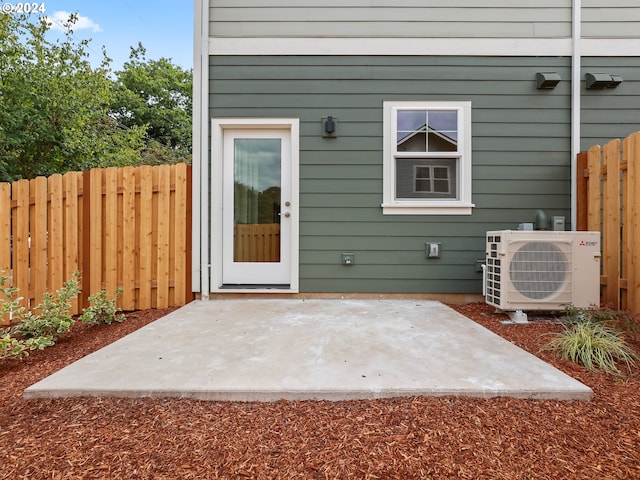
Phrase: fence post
pixel 188 285
pixel 582 193
pixel 5 228
pixel 5 237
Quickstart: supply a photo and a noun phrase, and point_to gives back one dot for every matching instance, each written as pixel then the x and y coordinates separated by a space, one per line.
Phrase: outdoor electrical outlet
pixel 433 250
pixel 348 258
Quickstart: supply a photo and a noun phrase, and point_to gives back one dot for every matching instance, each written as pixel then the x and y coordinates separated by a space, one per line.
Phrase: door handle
pixel 286 214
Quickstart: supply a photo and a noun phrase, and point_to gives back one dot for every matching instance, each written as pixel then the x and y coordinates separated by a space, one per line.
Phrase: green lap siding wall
pixel 391 18
pixel 521 159
pixel 611 112
pixel 419 18
pixel 521 154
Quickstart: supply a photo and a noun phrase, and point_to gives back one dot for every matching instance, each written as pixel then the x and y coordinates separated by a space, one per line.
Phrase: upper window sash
pixel 422 130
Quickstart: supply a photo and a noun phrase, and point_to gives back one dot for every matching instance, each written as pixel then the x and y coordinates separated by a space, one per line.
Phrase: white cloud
pixel 60 18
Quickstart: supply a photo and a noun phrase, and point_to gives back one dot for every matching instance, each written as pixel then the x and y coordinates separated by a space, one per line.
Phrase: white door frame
pixel 218 127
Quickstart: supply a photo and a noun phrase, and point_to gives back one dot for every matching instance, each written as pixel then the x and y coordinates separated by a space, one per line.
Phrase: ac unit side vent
pixel 493 273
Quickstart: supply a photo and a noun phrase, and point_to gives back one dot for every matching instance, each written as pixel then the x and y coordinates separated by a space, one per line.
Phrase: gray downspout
pixel 200 159
pixel 205 217
pixel 195 151
pixel 576 107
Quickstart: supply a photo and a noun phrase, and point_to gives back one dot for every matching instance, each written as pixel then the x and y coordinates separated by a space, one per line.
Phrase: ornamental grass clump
pixel 625 322
pixel 592 343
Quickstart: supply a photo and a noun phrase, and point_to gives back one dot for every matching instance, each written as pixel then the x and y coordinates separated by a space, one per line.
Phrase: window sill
pixel 413 208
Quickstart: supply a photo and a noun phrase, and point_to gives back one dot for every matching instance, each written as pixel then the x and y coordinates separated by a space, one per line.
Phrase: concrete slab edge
pixel 585 394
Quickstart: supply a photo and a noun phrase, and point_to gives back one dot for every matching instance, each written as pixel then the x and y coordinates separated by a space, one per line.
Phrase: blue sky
pixel 164 27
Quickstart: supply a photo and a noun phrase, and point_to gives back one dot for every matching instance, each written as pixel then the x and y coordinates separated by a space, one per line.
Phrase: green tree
pixel 54 107
pixel 157 95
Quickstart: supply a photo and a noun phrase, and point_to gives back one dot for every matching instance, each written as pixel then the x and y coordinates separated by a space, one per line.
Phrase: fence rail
pixel 609 202
pixel 126 228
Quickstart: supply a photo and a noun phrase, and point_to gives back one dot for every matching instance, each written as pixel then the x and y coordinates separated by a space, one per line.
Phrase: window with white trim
pixel 427 158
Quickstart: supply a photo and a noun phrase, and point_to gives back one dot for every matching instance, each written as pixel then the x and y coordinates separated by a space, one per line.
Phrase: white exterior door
pixel 257 207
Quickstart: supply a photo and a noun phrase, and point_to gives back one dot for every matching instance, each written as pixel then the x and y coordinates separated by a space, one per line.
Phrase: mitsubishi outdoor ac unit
pixel 542 270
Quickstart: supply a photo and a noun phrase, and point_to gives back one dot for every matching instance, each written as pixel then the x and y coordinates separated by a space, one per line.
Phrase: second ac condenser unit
pixel 542 270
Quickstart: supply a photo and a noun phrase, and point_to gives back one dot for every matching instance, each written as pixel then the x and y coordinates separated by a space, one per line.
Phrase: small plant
pixel 39 343
pixel 10 304
pixel 593 345
pixel 11 347
pixel 103 309
pixel 53 319
pixel 622 321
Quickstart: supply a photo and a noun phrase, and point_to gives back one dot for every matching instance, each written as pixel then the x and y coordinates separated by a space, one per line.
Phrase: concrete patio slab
pixel 295 349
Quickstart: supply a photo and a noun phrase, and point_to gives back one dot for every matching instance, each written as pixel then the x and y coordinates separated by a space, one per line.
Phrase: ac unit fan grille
pixel 539 269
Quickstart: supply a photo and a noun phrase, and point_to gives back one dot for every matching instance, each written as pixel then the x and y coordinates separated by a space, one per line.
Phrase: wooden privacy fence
pixel 126 228
pixel 256 242
pixel 609 202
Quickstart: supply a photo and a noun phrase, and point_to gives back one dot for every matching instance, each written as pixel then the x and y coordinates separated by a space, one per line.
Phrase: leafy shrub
pixel 11 347
pixel 593 345
pixel 41 328
pixel 53 319
pixel 103 309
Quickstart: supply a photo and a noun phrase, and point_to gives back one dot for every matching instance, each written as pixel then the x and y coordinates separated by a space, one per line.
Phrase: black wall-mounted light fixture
pixel 547 80
pixel 598 81
pixel 329 127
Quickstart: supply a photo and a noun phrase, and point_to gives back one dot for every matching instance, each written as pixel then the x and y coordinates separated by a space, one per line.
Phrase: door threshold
pixel 254 286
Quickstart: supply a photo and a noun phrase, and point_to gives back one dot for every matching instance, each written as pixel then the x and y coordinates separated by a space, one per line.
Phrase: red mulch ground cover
pixel 405 438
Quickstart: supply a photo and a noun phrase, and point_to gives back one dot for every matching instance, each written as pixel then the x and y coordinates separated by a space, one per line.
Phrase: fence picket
pixel 625 210
pixel 55 229
pixel 593 212
pixel 38 232
pixel 110 226
pixel 179 253
pixel 71 230
pixel 145 237
pixel 20 229
pixel 95 231
pixel 163 235
pixel 611 223
pixel 128 298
